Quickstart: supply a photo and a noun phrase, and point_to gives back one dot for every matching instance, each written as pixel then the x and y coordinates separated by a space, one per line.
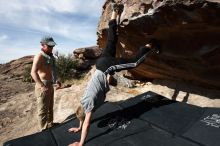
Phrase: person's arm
pixel 85 129
pixel 34 72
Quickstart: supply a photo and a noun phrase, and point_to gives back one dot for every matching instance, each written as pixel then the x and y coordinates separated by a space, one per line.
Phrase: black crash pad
pixel 145 120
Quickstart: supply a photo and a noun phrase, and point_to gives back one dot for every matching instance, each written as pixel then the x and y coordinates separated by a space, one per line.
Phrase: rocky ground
pixel 18 109
pixel 11 86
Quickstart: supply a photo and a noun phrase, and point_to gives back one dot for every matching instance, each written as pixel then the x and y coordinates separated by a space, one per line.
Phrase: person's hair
pixel 80 114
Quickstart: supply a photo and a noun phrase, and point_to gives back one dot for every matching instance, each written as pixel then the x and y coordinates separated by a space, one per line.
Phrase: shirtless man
pixel 44 74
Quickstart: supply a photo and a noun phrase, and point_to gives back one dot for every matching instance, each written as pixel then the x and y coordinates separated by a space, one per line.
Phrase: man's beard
pixel 47 52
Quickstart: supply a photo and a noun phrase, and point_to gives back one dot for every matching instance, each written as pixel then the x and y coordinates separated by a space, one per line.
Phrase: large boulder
pixel 188 31
pixel 83 64
pixel 87 53
pixel 86 57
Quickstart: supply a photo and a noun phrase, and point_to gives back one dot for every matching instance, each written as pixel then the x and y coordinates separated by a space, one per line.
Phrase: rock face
pixel 86 56
pixel 88 53
pixel 11 76
pixel 188 32
pixel 15 68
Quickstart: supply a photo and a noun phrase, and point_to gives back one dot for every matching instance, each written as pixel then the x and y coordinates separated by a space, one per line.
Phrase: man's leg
pixel 128 63
pixel 42 107
pixel 110 49
pixel 108 55
pixel 50 106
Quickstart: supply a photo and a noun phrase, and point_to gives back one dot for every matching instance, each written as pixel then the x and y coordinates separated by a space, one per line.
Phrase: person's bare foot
pixel 117 7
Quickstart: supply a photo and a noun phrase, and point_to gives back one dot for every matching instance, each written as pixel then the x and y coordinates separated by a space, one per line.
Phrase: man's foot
pixel 117 7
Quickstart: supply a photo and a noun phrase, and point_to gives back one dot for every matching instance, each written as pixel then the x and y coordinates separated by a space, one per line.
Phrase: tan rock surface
pixel 18 115
pixel 188 32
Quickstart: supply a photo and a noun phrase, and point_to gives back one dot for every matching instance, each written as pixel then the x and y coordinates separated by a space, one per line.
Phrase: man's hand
pixel 74 130
pixel 75 144
pixel 44 88
pixel 58 83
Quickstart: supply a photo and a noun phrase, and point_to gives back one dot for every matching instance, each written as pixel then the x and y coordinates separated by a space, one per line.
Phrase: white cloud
pixel 63 6
pixel 73 22
pixel 48 15
pixel 3 37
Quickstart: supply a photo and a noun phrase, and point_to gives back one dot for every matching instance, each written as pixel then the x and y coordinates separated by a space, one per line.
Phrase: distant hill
pixel 15 68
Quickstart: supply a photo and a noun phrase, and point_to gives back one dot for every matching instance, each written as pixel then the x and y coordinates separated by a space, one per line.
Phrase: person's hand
pixel 75 144
pixel 58 85
pixel 44 88
pixel 74 130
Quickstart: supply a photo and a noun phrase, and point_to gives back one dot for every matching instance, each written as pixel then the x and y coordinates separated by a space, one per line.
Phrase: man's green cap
pixel 48 40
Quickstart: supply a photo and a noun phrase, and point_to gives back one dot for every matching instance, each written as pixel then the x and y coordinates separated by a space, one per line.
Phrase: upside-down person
pixel 98 85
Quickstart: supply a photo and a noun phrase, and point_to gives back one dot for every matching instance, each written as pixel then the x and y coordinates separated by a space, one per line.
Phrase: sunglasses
pixel 47 45
pixel 50 46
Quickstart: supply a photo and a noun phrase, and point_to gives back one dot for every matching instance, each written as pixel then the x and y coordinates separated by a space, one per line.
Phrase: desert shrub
pixel 27 74
pixel 66 67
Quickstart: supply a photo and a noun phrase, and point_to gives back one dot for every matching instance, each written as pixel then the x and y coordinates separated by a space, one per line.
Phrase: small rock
pixel 88 53
pixel 67 86
pixel 3 100
pixel 81 56
pixel 5 121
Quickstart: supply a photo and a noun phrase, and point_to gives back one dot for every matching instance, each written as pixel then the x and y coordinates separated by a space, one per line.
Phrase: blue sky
pixel 72 24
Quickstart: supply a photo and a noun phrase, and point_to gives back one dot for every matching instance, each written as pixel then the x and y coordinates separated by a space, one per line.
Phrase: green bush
pixel 27 74
pixel 66 67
